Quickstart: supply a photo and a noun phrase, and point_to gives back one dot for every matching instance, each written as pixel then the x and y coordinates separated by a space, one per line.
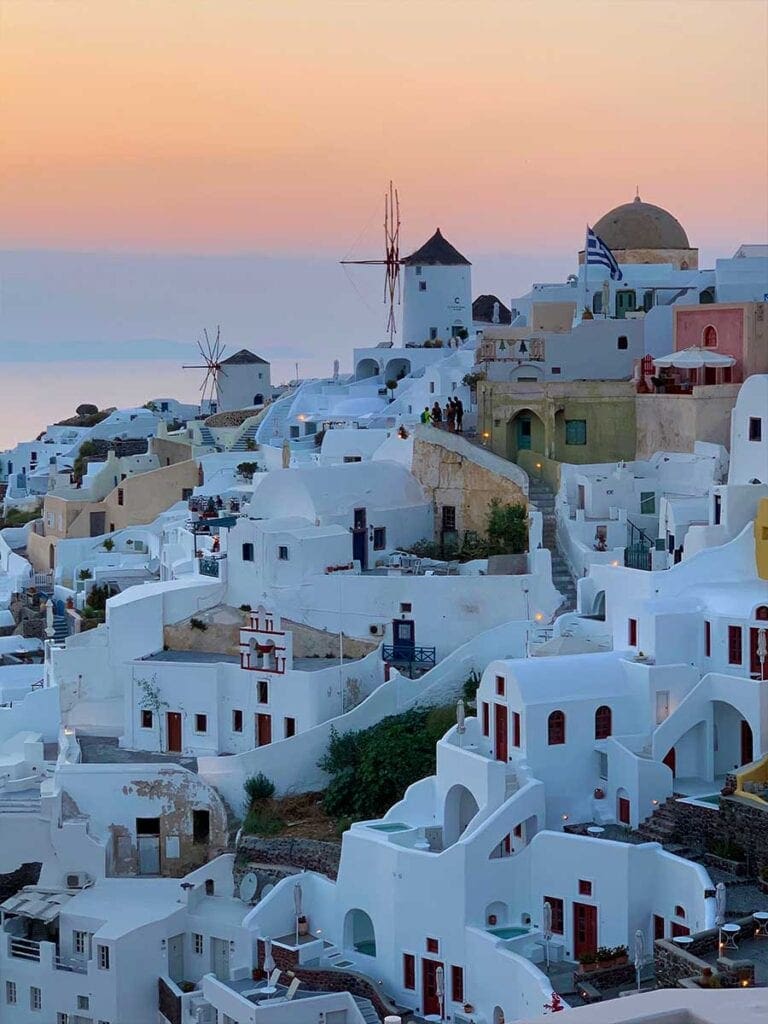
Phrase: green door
pixel 625 302
pixel 524 432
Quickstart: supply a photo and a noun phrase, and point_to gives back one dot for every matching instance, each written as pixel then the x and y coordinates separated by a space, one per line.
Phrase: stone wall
pixel 673 423
pixel 303 854
pixel 13 881
pixel 607 977
pixel 453 472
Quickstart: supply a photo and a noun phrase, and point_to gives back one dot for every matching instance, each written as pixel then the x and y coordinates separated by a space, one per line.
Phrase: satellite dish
pixel 248 887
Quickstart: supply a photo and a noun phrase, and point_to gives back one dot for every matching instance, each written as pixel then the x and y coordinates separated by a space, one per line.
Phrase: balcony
pixel 405 656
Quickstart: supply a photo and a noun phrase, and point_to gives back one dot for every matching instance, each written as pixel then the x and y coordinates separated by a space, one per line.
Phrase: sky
pixel 171 164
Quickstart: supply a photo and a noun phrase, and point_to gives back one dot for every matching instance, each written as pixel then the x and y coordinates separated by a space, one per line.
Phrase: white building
pixel 243 382
pixel 437 292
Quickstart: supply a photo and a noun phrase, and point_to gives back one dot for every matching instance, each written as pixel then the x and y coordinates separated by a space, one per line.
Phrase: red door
pixel 173 723
pixel 746 742
pixel 671 760
pixel 584 929
pixel 431 1000
pixel 623 810
pixel 658 927
pixel 263 730
pixel 500 726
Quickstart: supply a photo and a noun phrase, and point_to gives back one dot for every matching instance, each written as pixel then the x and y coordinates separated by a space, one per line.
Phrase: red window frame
pixel 558 914
pixel 457 983
pixel 603 722
pixel 585 887
pixel 486 719
pixel 734 645
pixel 515 728
pixel 707 639
pixel 500 686
pixel 632 632
pixel 556 729
pixel 433 946
pixel 409 971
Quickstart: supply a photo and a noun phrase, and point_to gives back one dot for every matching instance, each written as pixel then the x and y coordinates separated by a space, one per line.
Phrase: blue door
pixel 524 432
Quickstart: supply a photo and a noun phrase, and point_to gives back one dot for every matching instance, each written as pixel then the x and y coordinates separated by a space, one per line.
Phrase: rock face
pixel 459 475
pixel 273 859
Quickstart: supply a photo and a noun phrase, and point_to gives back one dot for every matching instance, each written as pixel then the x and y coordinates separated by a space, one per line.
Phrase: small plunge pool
pixel 508 931
pixel 390 826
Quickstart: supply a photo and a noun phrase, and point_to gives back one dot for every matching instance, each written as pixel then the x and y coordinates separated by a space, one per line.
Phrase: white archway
pixel 460 809
pixel 367 368
pixel 359 932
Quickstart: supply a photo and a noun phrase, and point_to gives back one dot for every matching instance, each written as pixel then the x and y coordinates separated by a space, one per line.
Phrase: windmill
pixel 391 259
pixel 211 354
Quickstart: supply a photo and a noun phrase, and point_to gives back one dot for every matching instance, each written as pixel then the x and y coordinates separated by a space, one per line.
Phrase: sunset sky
pixel 205 128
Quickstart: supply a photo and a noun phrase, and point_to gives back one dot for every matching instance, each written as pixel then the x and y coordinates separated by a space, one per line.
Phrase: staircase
pixel 249 434
pixel 60 628
pixel 365 1006
pixel 26 802
pixel 543 498
pixel 206 437
pixel 661 826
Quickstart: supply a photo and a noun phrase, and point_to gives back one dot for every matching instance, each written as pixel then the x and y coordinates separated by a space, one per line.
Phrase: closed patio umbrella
pixel 297 905
pixel 721 898
pixel 461 715
pixel 440 986
pixel 546 927
pixel 639 954
pixel 49 630
pixel 269 960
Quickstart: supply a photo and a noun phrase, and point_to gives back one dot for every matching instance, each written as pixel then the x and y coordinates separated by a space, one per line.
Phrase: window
pixel 585 887
pixel 146 719
pixel 35 998
pixel 409 971
pixel 486 719
pixel 433 946
pixel 647 503
pixel 432 333
pixel 515 728
pixel 263 691
pixel 623 342
pixel 10 992
pixel 707 639
pixel 422 286
pixel 648 301
pixel 102 957
pixel 449 518
pixel 658 927
pixel 457 984
pixel 603 722
pixel 556 370
pixel 680 911
pixel 379 538
pixel 62 1018
pixel 353 458
pixel 201 723
pixel 405 607
pixel 83 1003
pixel 499 686
pixel 210 887
pixel 517 831
pixel 111 527
pixel 282 553
pixel 755 428
pixel 632 632
pixel 418 271
pixel 80 943
pixel 710 337
pixel 734 645
pixel 575 431
pixel 237 720
pixel 556 906
pixel 597 302
pixel 120 496
pixel 556 729
pixel 201 826
pixel 198 943
pixel 247 552
pixel 679 929
pixel 290 727
pixel 186 493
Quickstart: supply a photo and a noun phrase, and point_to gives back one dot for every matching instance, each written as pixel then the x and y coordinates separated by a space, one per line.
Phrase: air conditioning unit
pixel 377 629
pixel 77 880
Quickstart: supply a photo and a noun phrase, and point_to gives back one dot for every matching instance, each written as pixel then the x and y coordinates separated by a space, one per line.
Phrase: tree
pixel 152 701
pixel 391 385
pixel 86 409
pixel 507 528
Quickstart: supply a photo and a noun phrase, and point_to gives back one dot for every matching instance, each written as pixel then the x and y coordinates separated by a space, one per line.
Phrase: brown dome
pixel 639 225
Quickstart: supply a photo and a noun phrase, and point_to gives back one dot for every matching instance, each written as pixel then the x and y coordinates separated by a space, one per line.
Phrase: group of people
pixel 452 416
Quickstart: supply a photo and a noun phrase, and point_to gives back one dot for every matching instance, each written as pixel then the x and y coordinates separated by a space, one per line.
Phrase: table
pixel 730 931
pixel 421 844
pixel 761 918
pixel 266 990
pixel 595 831
pixel 684 941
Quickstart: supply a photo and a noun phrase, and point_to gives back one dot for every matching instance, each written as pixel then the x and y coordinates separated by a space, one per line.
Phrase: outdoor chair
pixel 290 993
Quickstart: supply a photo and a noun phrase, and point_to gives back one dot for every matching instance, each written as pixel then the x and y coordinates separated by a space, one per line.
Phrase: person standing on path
pixel 437 415
pixel 450 415
pixel 459 407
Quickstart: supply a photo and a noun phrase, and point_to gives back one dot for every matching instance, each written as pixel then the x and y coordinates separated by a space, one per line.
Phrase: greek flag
pixel 598 253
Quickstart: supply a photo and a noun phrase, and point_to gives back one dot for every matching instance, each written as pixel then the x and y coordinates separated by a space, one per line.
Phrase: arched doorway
pixel 367 368
pixel 498 1015
pixel 525 432
pixel 732 738
pixel 359 933
pixel 258 399
pixel 396 369
pixel 460 809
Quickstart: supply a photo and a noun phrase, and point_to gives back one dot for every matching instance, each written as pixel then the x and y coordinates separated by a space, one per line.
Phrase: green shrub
pixel 198 624
pixel 370 770
pixel 469 689
pixel 85 574
pixel 108 544
pixel 260 821
pixel 258 787
pixel 507 528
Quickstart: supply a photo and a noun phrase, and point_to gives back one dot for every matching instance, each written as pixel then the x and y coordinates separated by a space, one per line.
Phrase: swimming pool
pixel 508 931
pixel 390 826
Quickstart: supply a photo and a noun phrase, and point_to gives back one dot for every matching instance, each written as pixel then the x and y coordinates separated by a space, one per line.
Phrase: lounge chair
pixel 290 993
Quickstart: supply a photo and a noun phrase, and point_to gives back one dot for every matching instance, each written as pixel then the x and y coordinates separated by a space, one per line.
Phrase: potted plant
pixel 303 925
pixel 604 956
pixel 599 794
pixel 620 956
pixel 588 962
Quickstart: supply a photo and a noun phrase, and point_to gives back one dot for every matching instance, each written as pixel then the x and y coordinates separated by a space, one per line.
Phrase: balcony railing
pixel 24 949
pixel 411 657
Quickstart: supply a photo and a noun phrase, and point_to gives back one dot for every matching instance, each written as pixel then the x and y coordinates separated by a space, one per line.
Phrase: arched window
pixel 710 337
pixel 680 911
pixel 556 728
pixel 761 613
pixel 603 721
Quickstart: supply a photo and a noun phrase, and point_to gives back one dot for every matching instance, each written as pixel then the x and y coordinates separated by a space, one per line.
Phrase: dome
pixel 639 225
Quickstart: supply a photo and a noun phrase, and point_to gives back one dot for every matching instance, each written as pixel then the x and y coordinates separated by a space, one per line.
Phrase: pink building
pixel 738 329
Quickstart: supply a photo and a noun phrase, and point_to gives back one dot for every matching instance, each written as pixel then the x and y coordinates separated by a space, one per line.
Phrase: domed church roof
pixel 639 225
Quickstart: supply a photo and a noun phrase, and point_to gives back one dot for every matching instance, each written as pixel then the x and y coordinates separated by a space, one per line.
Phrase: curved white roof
pixel 316 492
pixel 564 679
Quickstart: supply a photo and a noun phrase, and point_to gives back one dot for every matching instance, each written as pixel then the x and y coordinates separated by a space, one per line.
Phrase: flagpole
pixel 586 272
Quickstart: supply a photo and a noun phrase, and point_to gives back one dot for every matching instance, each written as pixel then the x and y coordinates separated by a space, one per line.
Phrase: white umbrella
pixel 49 631
pixel 297 901
pixel 639 954
pixel 269 960
pixel 440 986
pixel 694 358
pixel 461 727
pixel 546 927
pixel 721 897
pixel 762 649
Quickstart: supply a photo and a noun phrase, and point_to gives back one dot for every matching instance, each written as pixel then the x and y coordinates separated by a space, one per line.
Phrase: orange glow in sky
pixel 232 125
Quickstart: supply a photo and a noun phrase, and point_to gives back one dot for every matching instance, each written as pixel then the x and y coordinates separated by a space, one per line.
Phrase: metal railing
pixel 410 657
pixel 637 554
pixel 24 949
